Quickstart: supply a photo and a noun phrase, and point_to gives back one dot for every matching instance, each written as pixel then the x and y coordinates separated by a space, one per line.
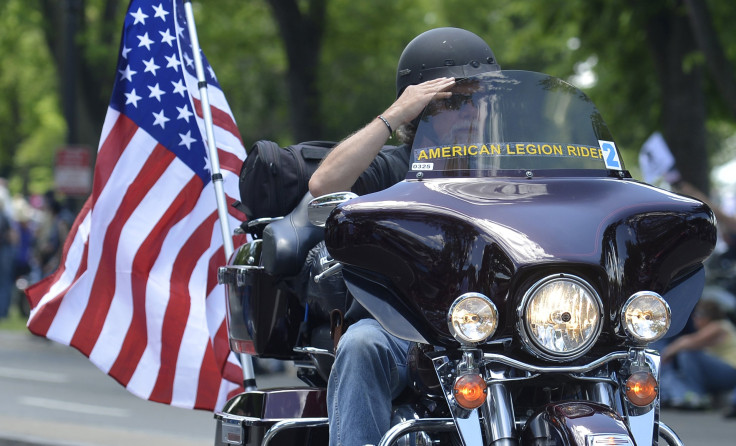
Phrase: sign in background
pixel 73 170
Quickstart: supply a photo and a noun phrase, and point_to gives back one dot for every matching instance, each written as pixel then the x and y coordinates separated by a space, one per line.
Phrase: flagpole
pixel 248 373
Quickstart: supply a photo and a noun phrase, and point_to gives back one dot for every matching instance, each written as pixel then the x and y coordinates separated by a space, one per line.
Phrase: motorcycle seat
pixel 287 242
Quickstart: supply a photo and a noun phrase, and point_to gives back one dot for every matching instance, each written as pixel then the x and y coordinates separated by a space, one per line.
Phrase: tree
pixel 318 69
pixel 301 32
pixel 83 50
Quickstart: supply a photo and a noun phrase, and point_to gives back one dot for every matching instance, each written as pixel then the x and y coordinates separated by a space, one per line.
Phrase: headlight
pixel 472 318
pixel 560 317
pixel 645 316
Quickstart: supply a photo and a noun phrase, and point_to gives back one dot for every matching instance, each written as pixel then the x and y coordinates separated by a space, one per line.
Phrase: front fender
pixel 576 423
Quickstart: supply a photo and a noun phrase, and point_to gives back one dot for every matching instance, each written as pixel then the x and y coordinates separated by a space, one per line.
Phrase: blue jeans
pixel 369 371
pixel 7 256
pixel 698 372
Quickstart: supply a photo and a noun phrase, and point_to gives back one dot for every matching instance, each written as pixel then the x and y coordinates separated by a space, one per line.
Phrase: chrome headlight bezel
pixel 630 302
pixel 461 337
pixel 533 345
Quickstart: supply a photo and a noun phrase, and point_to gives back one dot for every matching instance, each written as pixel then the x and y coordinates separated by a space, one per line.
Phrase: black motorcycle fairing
pixel 431 241
pixel 680 299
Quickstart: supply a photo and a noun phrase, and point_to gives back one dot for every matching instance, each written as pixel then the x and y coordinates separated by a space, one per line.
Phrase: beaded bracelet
pixel 385 121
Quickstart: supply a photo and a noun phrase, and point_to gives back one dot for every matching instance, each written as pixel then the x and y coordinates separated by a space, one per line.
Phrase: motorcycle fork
pixel 498 416
pixel 498 425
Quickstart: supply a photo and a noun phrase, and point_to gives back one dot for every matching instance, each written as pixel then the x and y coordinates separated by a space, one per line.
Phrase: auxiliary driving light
pixel 646 316
pixel 470 391
pixel 472 318
pixel 641 389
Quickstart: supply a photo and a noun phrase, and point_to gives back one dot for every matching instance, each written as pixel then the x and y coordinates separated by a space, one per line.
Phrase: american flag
pixel 136 290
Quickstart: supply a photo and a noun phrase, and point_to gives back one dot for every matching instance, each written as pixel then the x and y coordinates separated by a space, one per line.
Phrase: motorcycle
pixel 527 267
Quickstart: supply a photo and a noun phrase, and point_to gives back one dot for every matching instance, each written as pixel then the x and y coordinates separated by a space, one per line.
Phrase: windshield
pixel 513 123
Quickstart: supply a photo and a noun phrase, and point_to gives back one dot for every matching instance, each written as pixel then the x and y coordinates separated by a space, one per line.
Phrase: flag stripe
pixel 220 118
pixel 177 309
pixel 102 290
pixel 43 315
pixel 136 337
pixel 136 288
pixel 111 150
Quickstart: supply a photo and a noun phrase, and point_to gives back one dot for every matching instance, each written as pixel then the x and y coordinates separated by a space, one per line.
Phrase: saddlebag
pixel 263 279
pixel 247 417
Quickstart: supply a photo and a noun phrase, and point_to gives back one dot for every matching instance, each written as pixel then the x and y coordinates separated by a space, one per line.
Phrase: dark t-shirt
pixel 389 167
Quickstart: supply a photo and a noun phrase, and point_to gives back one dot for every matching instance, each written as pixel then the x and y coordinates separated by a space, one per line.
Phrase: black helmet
pixel 443 52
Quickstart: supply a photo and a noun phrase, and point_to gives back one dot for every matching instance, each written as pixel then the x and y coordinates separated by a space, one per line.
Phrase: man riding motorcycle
pixel 528 271
pixel 370 363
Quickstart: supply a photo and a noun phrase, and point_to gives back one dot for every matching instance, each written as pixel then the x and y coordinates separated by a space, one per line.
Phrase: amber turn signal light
pixel 470 391
pixel 641 388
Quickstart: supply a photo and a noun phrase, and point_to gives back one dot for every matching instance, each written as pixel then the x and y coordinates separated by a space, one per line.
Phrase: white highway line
pixel 32 375
pixel 73 407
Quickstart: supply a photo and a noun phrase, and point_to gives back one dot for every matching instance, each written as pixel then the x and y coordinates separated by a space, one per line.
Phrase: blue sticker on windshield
pixel 610 154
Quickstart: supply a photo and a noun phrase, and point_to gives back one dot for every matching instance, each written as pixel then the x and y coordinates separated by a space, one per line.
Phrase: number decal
pixel 610 155
pixel 422 166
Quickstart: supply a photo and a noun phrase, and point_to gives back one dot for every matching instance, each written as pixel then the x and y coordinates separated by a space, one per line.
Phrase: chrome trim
pixel 263 221
pixel 313 351
pixel 498 413
pixel 235 274
pixel 320 208
pixel 642 421
pixel 603 439
pixel 529 342
pixel 603 393
pixel 456 302
pixel 291 424
pixel 669 435
pixel 467 421
pixel 409 426
pixel 615 356
pixel 625 307
pixel 332 270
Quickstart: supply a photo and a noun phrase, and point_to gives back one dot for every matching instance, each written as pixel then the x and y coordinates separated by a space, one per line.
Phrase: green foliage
pixel 31 125
pixel 243 45
pixel 362 43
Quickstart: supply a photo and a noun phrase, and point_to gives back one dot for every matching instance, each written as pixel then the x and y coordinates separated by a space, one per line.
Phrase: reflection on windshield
pixel 513 120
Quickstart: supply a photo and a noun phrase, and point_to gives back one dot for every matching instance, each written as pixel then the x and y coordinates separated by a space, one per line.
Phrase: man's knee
pixel 364 340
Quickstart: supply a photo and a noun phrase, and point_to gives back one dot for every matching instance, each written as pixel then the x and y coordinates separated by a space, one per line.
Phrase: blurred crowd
pixel 32 232
pixel 699 365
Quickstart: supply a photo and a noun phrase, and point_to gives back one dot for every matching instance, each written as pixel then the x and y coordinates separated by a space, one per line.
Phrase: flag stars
pixel 184 113
pixel 156 92
pixel 173 62
pixel 166 37
pixel 160 119
pixel 127 73
pixel 125 52
pixel 160 12
pixel 132 98
pixel 212 72
pixel 151 66
pixel 179 87
pixel 187 140
pixel 139 16
pixel 188 60
pixel 145 41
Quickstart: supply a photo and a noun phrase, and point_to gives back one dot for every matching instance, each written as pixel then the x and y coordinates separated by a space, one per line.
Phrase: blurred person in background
pixel 52 230
pixel 7 250
pixel 25 271
pixel 699 364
